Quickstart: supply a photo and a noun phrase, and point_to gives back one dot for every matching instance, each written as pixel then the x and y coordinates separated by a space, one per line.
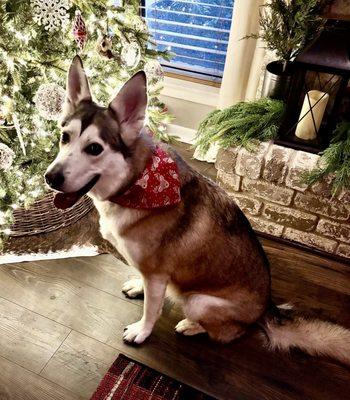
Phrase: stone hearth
pixel 266 185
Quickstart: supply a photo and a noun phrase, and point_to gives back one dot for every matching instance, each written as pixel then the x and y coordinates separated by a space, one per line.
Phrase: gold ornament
pixel 104 47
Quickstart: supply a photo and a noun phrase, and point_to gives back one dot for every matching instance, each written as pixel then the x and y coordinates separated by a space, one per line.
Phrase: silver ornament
pixel 49 100
pixel 130 54
pixel 6 156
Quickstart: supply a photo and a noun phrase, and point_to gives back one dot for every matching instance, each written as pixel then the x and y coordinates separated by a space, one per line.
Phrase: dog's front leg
pixel 154 292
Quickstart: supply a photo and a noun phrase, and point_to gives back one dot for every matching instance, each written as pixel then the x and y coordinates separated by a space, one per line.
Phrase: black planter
pixel 278 75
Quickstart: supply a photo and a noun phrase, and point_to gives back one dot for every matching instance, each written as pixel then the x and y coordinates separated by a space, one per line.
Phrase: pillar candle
pixel 306 128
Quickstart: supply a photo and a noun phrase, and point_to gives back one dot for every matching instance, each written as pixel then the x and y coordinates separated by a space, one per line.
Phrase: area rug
pixel 130 380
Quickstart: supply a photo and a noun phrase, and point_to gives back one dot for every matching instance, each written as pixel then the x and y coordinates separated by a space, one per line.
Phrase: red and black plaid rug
pixel 130 380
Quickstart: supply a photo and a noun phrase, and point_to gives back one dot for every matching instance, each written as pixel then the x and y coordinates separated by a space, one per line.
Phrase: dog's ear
pixel 129 107
pixel 77 84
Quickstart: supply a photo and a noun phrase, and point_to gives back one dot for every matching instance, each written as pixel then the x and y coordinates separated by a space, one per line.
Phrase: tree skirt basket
pixel 43 216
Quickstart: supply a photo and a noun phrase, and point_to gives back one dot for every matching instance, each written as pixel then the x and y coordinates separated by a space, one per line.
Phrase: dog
pixel 195 241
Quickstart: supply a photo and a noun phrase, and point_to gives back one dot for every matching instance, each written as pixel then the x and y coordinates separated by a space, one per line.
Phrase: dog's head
pixel 96 142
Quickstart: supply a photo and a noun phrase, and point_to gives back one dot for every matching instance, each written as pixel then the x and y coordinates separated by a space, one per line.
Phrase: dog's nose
pixel 54 179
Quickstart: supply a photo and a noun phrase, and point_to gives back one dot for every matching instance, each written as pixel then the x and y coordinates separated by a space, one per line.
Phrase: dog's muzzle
pixel 55 178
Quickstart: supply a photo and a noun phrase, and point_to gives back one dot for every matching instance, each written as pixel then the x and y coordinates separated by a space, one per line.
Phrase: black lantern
pixel 318 96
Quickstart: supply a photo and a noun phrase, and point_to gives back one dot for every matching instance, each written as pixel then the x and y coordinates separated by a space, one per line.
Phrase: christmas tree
pixel 38 40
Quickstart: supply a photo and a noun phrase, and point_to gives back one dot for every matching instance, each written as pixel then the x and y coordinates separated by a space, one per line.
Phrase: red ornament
pixel 79 30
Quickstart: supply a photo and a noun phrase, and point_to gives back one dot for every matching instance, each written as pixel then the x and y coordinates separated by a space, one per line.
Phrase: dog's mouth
pixel 67 200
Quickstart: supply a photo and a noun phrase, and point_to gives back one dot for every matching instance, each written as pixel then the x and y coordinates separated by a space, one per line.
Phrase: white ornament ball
pixel 130 54
pixel 154 72
pixel 49 100
pixel 6 156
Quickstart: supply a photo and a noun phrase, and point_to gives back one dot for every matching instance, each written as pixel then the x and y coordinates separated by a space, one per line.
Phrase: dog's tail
pixel 286 331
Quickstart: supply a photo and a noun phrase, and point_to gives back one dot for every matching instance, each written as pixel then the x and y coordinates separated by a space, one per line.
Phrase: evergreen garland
pixel 31 56
pixel 334 161
pixel 243 124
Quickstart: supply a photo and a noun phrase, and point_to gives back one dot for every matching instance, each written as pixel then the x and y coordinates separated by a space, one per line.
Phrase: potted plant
pixel 287 27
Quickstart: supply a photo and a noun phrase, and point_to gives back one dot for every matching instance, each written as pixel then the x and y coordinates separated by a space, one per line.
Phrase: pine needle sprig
pixel 286 27
pixel 243 124
pixel 334 161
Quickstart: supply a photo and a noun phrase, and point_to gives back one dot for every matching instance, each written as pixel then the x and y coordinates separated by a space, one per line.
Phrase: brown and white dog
pixel 203 248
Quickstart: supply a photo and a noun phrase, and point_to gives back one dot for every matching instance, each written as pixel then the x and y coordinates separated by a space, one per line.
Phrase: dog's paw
pixel 189 328
pixel 136 333
pixel 133 288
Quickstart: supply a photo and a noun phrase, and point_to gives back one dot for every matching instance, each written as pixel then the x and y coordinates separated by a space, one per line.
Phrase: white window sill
pixel 191 91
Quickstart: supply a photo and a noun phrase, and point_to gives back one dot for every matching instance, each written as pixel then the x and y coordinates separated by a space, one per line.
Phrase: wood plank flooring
pixel 61 323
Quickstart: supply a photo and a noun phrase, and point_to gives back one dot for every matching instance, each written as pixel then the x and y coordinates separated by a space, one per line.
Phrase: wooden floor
pixel 61 323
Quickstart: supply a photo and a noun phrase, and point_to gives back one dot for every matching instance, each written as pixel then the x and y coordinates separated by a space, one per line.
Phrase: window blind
pixel 196 31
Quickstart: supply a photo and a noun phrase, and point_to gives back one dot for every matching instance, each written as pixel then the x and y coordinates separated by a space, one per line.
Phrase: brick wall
pixel 266 185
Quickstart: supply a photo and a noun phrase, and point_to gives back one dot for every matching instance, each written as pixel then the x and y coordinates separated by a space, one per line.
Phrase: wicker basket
pixel 43 216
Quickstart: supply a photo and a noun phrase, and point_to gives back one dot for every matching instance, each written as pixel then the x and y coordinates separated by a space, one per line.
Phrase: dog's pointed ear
pixel 129 107
pixel 77 84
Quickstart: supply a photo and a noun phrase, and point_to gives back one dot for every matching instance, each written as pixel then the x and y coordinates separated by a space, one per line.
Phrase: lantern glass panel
pixel 319 95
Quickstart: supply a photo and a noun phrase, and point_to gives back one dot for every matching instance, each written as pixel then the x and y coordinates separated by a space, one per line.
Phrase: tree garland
pixel 33 65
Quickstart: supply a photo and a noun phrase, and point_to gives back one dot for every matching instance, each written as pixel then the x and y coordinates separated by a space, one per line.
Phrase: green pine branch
pixel 334 161
pixel 243 124
pixel 287 27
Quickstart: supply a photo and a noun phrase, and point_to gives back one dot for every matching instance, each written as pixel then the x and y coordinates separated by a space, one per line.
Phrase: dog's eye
pixel 65 138
pixel 94 149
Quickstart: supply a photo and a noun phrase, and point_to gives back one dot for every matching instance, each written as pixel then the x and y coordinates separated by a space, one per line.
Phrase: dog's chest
pixel 114 220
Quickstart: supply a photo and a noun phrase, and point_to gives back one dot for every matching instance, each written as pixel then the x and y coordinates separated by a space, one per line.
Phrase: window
pixel 196 31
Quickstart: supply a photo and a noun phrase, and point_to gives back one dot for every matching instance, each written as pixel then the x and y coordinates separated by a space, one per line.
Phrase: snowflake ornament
pixel 6 156
pixel 51 14
pixel 49 101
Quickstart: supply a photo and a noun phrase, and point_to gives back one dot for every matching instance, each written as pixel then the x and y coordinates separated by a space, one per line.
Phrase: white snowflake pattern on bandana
pixel 155 164
pixel 143 181
pixel 174 174
pixel 163 184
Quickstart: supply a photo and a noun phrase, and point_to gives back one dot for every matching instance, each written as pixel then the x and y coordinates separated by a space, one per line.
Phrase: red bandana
pixel 158 185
